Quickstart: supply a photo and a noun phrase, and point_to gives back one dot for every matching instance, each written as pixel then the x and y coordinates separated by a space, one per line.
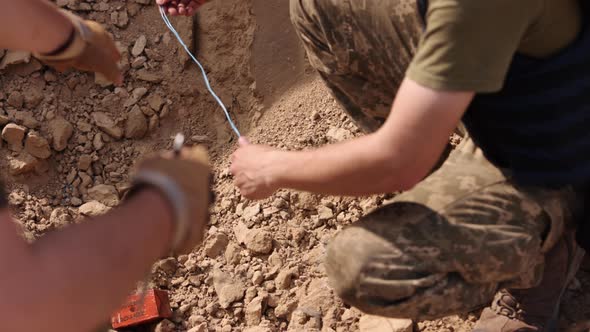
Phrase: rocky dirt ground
pixel 70 139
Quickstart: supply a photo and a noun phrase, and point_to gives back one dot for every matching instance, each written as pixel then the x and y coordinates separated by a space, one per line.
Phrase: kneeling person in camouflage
pixel 497 222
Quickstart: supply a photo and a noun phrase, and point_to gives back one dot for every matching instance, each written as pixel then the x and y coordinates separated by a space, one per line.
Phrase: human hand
pixel 91 49
pixel 254 168
pixel 185 182
pixel 180 7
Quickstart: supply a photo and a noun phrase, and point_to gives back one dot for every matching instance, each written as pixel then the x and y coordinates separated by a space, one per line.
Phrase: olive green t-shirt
pixel 468 45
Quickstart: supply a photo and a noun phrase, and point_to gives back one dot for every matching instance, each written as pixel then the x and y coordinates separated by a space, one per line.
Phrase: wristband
pixel 75 45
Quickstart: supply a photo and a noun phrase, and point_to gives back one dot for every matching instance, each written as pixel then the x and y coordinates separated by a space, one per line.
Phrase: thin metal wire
pixel 205 78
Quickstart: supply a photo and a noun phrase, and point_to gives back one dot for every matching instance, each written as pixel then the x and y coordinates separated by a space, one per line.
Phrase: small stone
pixel 153 123
pixel 13 134
pixel 369 323
pixel 156 102
pixel 122 19
pixel 139 45
pixel 254 311
pixel 325 213
pixel 251 211
pixel 165 326
pixel 61 131
pixel 75 201
pixel 286 307
pixel 33 96
pixel 23 163
pixel 27 119
pixel 257 278
pixel 136 125
pixel 106 124
pixel 168 265
pixel 138 93
pixel 284 278
pixel 97 142
pixel 199 328
pixel 336 134
pixel 14 58
pixel 227 290
pixel 145 75
pixel 37 146
pixel 84 162
pixel 61 217
pixel 105 194
pixel 16 99
pixel 259 241
pixel 232 254
pixel 138 62
pixel 93 209
pixel 216 244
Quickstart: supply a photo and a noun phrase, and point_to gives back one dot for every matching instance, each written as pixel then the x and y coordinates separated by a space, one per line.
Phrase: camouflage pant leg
pixel 450 243
pixel 361 49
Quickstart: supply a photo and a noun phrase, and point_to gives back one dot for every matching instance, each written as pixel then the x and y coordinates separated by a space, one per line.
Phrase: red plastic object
pixel 156 305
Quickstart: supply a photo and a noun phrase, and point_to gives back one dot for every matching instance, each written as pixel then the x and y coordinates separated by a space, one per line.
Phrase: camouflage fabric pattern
pixel 464 232
pixel 361 48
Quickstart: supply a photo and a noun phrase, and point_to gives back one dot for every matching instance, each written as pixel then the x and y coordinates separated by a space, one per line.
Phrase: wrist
pixel 160 211
pixel 282 166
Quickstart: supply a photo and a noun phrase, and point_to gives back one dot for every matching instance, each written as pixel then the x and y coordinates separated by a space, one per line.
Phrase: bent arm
pixel 394 158
pixel 72 280
pixel 32 25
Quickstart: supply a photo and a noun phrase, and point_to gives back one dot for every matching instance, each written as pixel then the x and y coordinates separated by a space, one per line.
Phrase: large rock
pixel 228 290
pixel 37 146
pixel 21 164
pixel 61 131
pixel 13 134
pixel 136 125
pixel 105 194
pixel 105 123
pixel 93 209
pixel 382 324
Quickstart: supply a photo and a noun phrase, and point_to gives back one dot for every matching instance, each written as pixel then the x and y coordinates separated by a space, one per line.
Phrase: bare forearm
pixel 85 271
pixel 32 25
pixel 357 167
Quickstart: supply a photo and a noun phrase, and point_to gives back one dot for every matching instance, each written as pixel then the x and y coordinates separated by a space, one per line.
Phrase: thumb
pixel 243 141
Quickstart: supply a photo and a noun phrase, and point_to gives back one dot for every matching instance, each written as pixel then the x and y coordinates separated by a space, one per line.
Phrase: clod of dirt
pixel 168 265
pixel 16 99
pixel 325 213
pixel 284 278
pixel 13 134
pixel 136 125
pixel 336 134
pixel 61 217
pixel 199 328
pixel 61 131
pixel 105 194
pixel 165 326
pixel 23 163
pixel 251 211
pixel 105 123
pixel 84 162
pixel 258 241
pixel 216 244
pixel 369 323
pixel 93 209
pixel 232 254
pixel 254 311
pixel 37 146
pixel 227 290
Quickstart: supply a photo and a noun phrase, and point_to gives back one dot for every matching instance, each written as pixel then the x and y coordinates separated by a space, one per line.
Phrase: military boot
pixel 535 309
